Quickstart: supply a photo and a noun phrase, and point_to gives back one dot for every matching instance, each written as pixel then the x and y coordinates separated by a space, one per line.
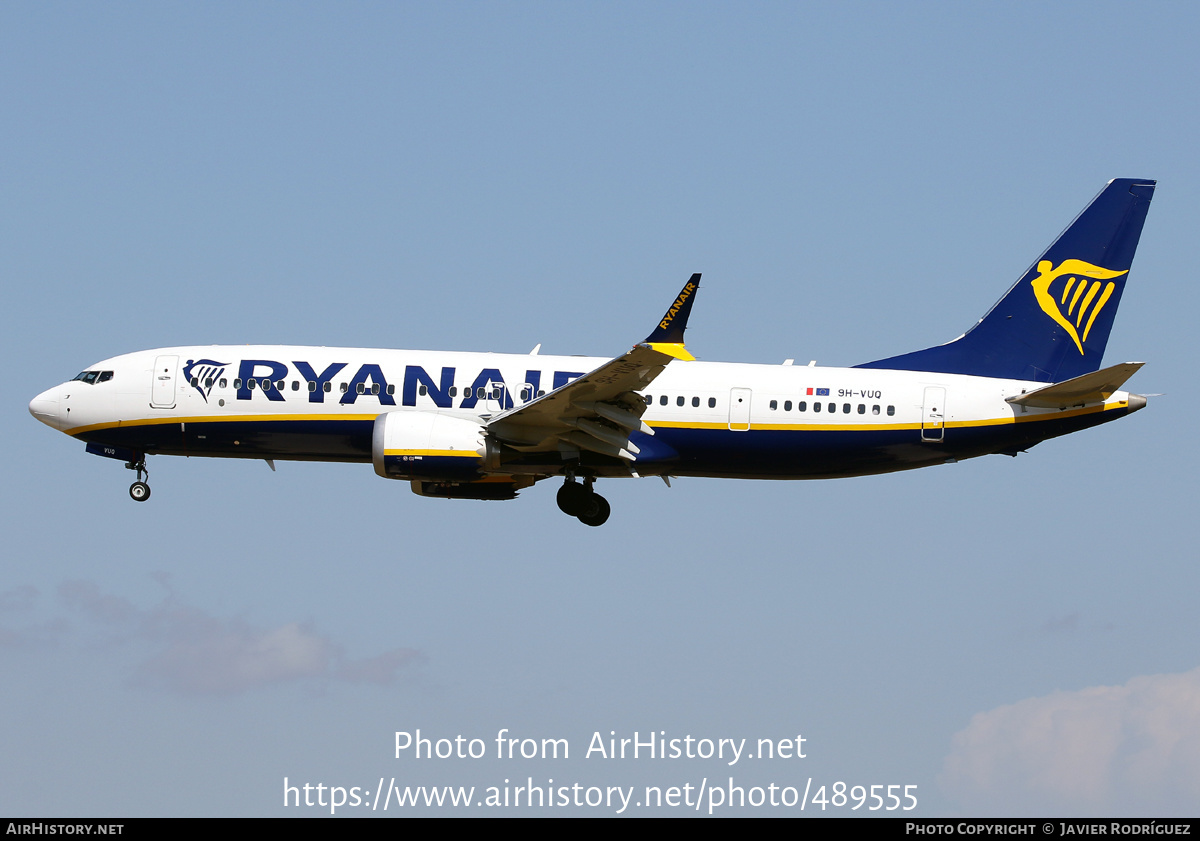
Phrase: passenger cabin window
pixel 194 381
pixel 787 405
pixel 862 409
pixel 422 390
pixel 875 409
pixel 679 400
pixel 649 398
pixel 662 401
pixel 846 408
pixel 774 405
pixel 328 387
pixel 224 383
pixel 712 402
pixel 295 385
pixel 816 407
pixel 344 387
pixel 312 385
pixel 695 402
pixel 391 389
pixel 891 411
pixel 802 406
pixel 453 391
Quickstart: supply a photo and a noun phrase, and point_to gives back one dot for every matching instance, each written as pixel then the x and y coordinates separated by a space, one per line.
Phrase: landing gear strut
pixel 581 502
pixel 139 491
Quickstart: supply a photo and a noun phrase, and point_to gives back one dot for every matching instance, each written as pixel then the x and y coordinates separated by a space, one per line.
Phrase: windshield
pixel 93 377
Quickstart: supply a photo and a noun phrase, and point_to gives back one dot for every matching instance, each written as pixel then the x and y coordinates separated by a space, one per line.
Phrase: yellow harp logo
pixel 1082 294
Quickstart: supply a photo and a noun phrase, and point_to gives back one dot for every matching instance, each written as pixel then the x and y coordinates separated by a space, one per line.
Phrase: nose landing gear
pixel 580 501
pixel 139 491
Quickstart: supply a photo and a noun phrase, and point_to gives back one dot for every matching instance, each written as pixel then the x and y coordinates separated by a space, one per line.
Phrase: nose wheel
pixel 580 501
pixel 139 491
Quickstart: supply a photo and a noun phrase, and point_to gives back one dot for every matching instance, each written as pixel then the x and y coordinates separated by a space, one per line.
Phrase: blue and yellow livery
pixel 485 426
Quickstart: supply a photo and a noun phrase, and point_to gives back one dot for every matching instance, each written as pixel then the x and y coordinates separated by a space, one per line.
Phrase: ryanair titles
pixel 677 306
pixel 277 381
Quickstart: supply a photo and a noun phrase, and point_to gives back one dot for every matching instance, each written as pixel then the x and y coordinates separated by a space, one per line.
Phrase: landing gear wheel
pixel 596 511
pixel 572 498
pixel 139 491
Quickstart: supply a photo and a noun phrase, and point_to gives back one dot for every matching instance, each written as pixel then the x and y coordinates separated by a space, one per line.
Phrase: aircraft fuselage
pixel 486 425
pixel 709 419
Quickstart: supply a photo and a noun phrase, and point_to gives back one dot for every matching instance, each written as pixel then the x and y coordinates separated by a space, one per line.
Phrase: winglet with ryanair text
pixel 667 337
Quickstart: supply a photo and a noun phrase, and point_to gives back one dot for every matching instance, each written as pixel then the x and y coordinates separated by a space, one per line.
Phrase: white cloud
pixel 194 652
pixel 381 669
pixel 17 604
pixel 1106 750
pixel 231 657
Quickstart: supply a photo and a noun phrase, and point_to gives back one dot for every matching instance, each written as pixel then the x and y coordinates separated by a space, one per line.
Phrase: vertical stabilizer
pixel 1053 324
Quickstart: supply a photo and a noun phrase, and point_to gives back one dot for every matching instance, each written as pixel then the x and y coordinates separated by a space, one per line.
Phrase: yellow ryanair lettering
pixel 675 307
pixel 1078 271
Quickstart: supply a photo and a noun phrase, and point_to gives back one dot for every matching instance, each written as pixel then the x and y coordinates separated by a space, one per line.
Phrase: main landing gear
pixel 576 500
pixel 139 491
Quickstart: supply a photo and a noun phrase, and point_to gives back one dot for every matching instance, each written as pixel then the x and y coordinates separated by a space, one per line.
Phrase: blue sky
pixel 1012 636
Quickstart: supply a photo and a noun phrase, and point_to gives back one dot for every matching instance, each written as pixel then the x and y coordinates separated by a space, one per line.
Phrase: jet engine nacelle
pixel 429 445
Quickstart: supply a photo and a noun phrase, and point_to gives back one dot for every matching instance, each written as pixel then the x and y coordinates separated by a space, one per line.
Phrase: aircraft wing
pixel 1095 387
pixel 598 411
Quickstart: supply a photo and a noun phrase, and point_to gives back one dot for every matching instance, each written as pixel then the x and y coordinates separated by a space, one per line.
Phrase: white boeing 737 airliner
pixel 485 425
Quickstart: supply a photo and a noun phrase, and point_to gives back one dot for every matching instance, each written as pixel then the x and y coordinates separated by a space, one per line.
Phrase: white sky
pixel 1012 636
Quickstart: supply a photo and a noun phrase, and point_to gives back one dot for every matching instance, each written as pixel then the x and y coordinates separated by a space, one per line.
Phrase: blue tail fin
pixel 1053 324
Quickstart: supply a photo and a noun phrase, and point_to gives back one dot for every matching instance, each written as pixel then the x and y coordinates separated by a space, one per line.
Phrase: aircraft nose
pixel 44 407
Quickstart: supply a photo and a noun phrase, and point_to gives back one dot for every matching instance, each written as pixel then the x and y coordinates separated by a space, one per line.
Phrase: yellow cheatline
pixel 452 453
pixel 79 430
pixel 891 427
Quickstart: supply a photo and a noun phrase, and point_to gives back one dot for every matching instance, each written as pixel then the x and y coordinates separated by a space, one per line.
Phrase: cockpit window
pixel 93 377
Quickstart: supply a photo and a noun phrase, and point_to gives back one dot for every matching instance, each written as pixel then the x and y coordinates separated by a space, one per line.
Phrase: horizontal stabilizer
pixel 1095 387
